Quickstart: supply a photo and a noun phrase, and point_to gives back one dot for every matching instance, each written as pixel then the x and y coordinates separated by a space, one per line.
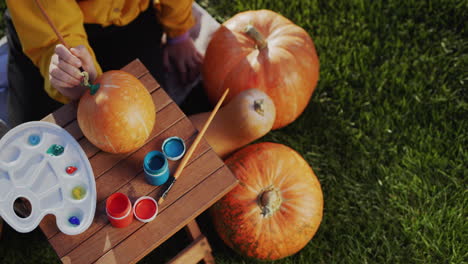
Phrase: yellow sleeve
pixel 39 40
pixel 175 16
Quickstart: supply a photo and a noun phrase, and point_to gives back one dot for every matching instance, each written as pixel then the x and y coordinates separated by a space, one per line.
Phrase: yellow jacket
pixel 39 40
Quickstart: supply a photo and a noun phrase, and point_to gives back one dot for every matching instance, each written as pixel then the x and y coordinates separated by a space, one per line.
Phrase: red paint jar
pixel 145 209
pixel 119 210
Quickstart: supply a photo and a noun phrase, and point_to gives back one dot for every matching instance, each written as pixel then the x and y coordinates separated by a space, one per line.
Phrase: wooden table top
pixel 204 180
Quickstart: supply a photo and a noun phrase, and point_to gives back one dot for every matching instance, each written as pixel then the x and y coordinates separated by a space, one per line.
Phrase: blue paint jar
pixel 156 168
pixel 173 148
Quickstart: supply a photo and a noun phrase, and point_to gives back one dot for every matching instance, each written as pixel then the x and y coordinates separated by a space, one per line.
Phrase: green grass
pixel 385 132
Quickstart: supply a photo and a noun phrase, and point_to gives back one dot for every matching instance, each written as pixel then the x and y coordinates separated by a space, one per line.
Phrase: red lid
pixel 145 209
pixel 118 205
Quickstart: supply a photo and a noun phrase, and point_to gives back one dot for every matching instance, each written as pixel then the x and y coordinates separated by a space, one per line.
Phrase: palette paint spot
pixel 71 169
pixel 34 140
pixel 55 150
pixel 78 192
pixel 74 220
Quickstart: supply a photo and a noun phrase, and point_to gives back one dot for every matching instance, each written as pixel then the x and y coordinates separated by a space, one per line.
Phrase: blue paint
pixel 174 148
pixel 156 168
pixel 155 163
pixel 34 139
pixel 74 220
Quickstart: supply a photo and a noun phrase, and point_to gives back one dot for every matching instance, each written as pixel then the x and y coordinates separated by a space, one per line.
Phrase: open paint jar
pixel 119 210
pixel 173 148
pixel 156 168
pixel 145 209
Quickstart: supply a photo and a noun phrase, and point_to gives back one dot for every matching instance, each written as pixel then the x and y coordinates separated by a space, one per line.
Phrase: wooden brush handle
pixel 192 148
pixel 199 136
pixel 51 24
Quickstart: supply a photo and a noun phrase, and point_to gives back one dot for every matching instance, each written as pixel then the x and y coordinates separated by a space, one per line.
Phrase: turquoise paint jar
pixel 156 168
pixel 173 148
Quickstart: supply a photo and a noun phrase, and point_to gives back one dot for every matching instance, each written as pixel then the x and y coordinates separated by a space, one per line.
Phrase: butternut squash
pixel 249 116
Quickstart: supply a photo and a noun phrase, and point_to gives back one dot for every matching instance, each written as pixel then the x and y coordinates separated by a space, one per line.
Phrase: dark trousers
pixel 114 47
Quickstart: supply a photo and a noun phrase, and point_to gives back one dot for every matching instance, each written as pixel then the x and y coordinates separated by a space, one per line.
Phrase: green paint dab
pixel 55 150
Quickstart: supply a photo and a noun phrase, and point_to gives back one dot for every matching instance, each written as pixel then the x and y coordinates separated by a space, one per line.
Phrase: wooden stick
pixel 192 148
pixel 54 28
pixel 61 39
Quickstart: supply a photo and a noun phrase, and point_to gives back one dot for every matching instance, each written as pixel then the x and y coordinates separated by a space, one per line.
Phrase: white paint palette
pixel 43 163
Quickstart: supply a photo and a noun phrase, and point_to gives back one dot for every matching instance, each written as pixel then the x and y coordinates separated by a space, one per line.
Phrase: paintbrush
pixel 192 148
pixel 93 87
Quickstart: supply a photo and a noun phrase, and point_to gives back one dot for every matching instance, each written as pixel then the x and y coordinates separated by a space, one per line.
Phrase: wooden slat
pixel 195 252
pixel 136 68
pixel 108 236
pixel 172 219
pixel 63 115
pixel 193 230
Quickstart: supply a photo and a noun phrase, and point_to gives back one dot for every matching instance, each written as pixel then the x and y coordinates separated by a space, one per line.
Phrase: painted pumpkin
pixel 277 206
pixel 264 50
pixel 120 116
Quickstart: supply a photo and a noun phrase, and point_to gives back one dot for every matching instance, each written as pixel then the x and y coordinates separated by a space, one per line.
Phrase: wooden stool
pixel 199 249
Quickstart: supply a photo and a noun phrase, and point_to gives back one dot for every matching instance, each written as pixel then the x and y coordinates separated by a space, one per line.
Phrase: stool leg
pixel 194 232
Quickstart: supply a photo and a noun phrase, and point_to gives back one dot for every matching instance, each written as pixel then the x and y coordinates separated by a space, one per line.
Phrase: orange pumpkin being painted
pixel 263 50
pixel 120 116
pixel 277 206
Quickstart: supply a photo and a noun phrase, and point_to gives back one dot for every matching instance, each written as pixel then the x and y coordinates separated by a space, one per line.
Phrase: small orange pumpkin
pixel 277 206
pixel 264 50
pixel 120 116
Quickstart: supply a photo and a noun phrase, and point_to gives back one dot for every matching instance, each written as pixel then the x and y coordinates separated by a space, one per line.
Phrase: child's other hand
pixel 184 58
pixel 64 73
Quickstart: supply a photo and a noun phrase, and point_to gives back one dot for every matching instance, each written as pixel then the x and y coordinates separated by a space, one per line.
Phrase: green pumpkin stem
pixel 254 34
pixel 93 88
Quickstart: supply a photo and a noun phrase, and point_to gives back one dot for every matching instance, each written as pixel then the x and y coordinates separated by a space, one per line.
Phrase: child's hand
pixel 184 58
pixel 64 73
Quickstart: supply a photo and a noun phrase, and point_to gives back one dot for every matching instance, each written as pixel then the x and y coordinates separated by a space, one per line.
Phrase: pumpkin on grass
pixel 277 206
pixel 120 116
pixel 249 116
pixel 265 50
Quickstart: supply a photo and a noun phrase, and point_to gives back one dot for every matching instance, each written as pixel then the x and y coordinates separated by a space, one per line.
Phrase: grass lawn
pixel 385 132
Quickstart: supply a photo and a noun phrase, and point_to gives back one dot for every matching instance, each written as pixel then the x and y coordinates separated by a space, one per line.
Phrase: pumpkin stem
pixel 270 201
pixel 259 106
pixel 254 34
pixel 92 87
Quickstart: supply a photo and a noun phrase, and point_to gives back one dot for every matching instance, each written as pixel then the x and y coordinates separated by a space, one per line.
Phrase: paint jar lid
pixel 145 209
pixel 174 148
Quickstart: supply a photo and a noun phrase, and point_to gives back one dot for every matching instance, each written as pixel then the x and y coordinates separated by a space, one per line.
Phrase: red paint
pixel 117 205
pixel 71 169
pixel 119 210
pixel 145 209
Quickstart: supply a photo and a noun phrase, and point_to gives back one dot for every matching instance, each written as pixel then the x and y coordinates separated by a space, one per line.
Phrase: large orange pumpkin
pixel 264 50
pixel 277 206
pixel 120 116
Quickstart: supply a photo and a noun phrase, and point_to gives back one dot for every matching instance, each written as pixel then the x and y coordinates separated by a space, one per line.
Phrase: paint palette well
pixel 42 163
